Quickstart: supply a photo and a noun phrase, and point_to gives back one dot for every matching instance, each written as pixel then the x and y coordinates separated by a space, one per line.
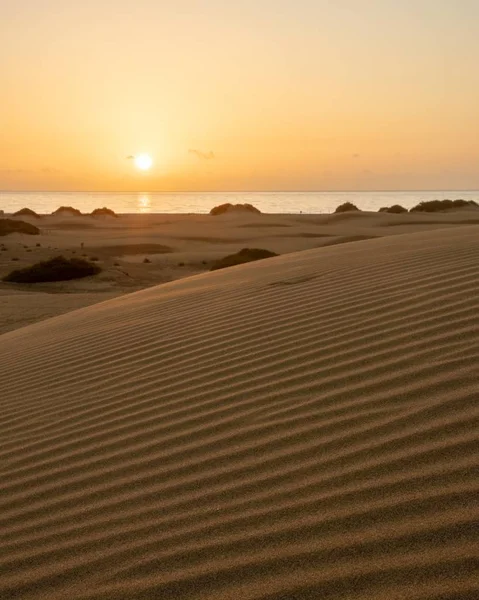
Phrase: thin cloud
pixel 202 155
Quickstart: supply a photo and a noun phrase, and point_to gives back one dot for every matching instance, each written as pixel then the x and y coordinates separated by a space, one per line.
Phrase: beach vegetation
pixel 395 209
pixel 26 212
pixel 228 207
pixel 103 212
pixel 8 226
pixel 243 256
pixel 67 209
pixel 55 269
pixel 441 205
pixel 346 207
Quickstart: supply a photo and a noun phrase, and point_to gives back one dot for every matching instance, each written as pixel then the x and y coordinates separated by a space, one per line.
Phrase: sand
pixel 176 246
pixel 304 427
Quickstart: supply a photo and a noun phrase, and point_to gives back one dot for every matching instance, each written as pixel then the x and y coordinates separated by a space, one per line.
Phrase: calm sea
pixel 202 202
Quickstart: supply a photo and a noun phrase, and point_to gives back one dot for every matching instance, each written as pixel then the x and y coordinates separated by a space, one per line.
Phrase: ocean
pixel 202 202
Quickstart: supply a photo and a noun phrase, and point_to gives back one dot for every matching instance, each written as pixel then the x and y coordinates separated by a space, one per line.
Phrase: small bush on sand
pixel 440 205
pixel 55 269
pixel 103 212
pixel 346 207
pixel 26 212
pixel 243 256
pixel 228 207
pixel 395 209
pixel 11 226
pixel 68 210
pixel 146 260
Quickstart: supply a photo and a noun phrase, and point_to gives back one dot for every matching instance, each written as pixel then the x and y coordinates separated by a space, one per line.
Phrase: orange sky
pixel 277 94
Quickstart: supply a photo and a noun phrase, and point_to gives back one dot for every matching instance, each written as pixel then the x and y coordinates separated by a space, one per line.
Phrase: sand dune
pixel 304 427
pixel 175 246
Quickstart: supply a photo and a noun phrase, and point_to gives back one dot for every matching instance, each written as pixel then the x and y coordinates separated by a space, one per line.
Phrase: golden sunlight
pixel 143 162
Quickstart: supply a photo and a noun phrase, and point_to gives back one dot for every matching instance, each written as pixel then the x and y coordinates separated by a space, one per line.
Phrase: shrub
pixel 55 269
pixel 103 212
pixel 26 212
pixel 67 209
pixel 395 208
pixel 346 207
pixel 93 258
pixel 228 207
pixel 440 205
pixel 146 260
pixel 11 226
pixel 243 256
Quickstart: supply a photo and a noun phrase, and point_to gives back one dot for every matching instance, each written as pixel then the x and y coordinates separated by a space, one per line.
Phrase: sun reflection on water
pixel 144 203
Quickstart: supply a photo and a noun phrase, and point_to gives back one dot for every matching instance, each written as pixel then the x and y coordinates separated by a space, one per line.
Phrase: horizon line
pixel 313 191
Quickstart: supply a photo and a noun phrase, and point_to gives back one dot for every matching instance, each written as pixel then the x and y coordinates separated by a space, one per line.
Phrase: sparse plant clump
pixel 243 256
pixel 11 226
pixel 228 207
pixel 146 260
pixel 346 207
pixel 440 205
pixel 26 212
pixel 395 209
pixel 55 269
pixel 103 212
pixel 67 210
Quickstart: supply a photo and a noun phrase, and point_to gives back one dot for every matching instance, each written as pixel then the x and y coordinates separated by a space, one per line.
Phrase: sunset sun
pixel 143 162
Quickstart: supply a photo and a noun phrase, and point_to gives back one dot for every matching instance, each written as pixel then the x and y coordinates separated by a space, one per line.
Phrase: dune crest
pixel 295 428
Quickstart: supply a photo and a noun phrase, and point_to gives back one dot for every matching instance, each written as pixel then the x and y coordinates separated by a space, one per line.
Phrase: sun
pixel 143 161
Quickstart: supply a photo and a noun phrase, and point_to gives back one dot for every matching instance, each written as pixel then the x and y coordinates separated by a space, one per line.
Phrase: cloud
pixel 14 171
pixel 202 155
pixel 49 170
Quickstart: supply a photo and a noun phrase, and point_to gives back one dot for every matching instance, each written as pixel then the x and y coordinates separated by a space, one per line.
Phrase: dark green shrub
pixel 395 208
pixel 55 269
pixel 440 205
pixel 346 207
pixel 67 209
pixel 11 226
pixel 243 256
pixel 26 212
pixel 228 207
pixel 103 212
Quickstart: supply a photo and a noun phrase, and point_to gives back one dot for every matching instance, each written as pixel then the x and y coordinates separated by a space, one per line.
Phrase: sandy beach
pixel 302 427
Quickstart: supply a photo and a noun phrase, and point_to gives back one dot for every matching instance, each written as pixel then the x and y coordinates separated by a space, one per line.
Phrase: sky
pixel 250 95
